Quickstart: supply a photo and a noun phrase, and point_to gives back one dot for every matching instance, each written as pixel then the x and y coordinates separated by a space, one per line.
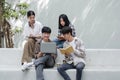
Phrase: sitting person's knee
pixel 80 66
pixel 30 40
pixel 60 68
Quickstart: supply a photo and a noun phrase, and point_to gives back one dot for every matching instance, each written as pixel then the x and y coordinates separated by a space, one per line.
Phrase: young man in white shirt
pixel 32 33
pixel 75 59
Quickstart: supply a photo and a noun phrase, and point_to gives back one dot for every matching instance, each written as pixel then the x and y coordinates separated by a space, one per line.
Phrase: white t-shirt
pixel 35 31
pixel 73 56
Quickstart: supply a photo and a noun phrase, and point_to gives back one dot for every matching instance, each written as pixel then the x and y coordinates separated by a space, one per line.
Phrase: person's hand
pixel 39 54
pixel 53 55
pixel 61 37
pixel 38 36
pixel 31 35
pixel 67 54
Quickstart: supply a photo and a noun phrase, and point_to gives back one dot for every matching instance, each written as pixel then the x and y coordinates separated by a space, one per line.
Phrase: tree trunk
pixel 5 32
pixel 8 34
pixel 1 23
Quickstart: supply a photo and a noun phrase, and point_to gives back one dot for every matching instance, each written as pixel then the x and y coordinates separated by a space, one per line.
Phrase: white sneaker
pixel 26 66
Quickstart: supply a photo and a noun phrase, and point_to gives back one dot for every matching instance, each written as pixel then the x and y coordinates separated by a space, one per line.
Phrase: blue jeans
pixel 43 62
pixel 59 43
pixel 79 67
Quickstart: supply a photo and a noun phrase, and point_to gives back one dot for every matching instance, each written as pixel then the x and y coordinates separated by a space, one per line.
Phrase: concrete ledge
pixel 94 57
pixel 101 64
pixel 15 73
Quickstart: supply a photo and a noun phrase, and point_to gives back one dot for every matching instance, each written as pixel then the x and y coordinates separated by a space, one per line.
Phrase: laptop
pixel 48 47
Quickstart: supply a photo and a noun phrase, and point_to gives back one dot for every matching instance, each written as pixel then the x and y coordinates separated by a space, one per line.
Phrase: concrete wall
pixel 96 21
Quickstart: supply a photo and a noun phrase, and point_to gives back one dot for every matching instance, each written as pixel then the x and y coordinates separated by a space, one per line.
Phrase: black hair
pixel 65 19
pixel 46 29
pixel 30 13
pixel 66 30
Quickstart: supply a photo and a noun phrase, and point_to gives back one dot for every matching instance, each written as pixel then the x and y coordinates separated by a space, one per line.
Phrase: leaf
pixel 23 12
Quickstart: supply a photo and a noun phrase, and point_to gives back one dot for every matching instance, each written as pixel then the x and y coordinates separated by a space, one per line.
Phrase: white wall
pixel 97 22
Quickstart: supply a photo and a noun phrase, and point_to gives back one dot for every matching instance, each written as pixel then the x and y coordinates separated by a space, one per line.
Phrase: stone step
pixel 94 57
pixel 93 73
pixel 101 64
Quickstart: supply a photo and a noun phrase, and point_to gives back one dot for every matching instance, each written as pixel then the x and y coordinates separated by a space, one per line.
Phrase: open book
pixel 67 50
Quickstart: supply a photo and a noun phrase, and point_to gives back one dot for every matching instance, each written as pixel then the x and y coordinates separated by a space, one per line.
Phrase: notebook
pixel 48 47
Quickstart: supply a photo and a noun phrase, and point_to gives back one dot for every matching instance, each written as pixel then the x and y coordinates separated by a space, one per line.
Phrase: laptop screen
pixel 48 47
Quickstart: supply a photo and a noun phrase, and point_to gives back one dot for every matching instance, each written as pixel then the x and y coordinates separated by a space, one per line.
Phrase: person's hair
pixel 66 30
pixel 30 13
pixel 65 19
pixel 46 29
